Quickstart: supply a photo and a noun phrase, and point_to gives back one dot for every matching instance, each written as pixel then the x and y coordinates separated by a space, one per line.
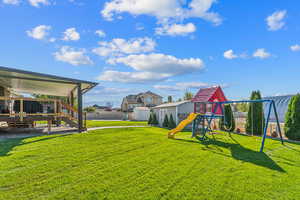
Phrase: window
pixel 148 100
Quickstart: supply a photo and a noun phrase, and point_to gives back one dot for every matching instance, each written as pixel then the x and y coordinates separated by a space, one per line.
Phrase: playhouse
pixel 204 96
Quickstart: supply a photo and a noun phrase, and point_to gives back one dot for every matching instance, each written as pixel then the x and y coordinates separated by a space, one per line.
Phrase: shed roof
pixel 174 104
pixel 22 81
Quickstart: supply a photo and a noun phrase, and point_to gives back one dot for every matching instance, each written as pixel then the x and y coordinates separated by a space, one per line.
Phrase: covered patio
pixel 48 98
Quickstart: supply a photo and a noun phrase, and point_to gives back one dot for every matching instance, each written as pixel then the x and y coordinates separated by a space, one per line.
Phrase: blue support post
pixel 277 121
pixel 194 127
pixel 266 129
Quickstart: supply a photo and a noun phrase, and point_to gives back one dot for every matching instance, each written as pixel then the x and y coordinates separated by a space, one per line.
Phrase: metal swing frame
pixel 209 118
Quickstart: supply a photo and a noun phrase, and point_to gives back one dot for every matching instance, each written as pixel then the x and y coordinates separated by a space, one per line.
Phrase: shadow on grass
pixel 7 145
pixel 238 152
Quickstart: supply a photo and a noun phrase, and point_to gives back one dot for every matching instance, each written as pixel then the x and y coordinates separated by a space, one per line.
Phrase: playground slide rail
pixel 183 124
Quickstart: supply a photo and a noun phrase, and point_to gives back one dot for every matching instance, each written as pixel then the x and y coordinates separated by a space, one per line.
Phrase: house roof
pixel 135 99
pixel 174 104
pixel 149 93
pixel 209 94
pixel 21 81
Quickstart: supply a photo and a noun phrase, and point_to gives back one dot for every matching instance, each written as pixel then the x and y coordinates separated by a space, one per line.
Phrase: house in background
pixel 147 99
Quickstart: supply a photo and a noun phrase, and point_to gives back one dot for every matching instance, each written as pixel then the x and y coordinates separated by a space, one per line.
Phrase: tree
pixel 170 99
pixel 172 123
pixel 255 117
pixel 292 119
pixel 89 109
pixel 166 121
pixel 179 100
pixel 188 95
pixel 227 123
pixel 154 119
pixel 242 107
pixel 150 119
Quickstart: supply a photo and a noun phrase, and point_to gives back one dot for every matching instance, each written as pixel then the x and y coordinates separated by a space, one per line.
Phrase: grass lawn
pixel 91 124
pixel 141 163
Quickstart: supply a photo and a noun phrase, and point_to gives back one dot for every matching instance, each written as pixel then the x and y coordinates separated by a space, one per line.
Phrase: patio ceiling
pixel 20 81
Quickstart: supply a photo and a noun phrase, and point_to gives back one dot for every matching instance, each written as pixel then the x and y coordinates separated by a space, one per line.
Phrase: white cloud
pixel 119 46
pixel 100 33
pixel 71 34
pixel 229 54
pixel 261 53
pixel 131 77
pixel 160 63
pixel 37 3
pixel 295 47
pixel 176 29
pixel 12 2
pixel 40 32
pixel 165 10
pixel 72 56
pixel 275 21
pixel 182 86
pixel 150 68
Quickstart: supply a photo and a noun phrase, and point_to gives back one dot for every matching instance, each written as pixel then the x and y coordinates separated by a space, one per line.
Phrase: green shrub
pixel 255 117
pixel 89 109
pixel 227 123
pixel 172 123
pixel 166 121
pixel 150 119
pixel 154 119
pixel 292 119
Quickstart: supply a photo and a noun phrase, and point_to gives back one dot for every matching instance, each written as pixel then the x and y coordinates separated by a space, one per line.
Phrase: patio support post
pixel 80 113
pixel 72 103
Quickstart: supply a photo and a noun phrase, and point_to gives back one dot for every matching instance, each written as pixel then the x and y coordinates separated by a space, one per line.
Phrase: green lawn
pixel 141 163
pixel 91 123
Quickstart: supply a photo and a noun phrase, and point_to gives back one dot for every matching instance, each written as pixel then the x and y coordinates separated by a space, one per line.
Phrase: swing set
pixel 203 120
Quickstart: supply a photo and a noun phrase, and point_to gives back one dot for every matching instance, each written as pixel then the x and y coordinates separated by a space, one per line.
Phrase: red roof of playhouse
pixel 210 95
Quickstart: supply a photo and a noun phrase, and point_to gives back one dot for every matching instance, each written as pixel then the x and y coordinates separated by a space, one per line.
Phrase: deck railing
pixel 22 107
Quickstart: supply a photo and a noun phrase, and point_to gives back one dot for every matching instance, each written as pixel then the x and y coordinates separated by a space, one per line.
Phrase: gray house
pixel 179 111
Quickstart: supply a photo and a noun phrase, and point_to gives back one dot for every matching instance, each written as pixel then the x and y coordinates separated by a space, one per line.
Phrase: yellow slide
pixel 182 124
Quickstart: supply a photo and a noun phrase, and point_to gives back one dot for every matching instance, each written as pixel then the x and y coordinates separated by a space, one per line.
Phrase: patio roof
pixel 21 81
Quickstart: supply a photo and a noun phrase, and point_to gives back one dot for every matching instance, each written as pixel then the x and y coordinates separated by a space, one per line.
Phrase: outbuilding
pixel 179 111
pixel 141 113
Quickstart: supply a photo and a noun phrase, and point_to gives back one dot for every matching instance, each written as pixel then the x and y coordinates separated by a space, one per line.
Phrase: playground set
pixel 209 106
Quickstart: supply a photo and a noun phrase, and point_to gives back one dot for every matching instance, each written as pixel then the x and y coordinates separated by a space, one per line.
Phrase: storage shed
pixel 179 111
pixel 141 113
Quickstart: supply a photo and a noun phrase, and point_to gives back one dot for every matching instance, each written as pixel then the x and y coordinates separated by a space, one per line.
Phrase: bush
pixel 292 119
pixel 150 119
pixel 172 123
pixel 154 119
pixel 227 123
pixel 89 109
pixel 255 118
pixel 166 121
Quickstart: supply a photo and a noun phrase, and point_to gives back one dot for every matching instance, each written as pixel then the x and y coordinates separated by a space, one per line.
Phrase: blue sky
pixel 169 46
